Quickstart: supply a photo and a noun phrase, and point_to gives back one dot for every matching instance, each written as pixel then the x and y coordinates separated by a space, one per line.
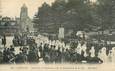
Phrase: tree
pixel 105 11
pixel 72 14
pixel 82 14
pixel 43 18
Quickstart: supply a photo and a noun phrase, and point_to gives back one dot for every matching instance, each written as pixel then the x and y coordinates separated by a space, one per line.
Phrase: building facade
pixel 8 26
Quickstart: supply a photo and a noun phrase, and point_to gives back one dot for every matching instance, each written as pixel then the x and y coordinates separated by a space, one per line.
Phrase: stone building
pixel 20 24
pixel 8 25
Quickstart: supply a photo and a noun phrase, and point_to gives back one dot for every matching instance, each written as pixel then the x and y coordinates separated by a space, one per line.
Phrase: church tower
pixel 24 12
pixel 25 22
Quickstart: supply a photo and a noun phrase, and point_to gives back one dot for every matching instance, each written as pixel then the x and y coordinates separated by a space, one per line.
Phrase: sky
pixel 11 8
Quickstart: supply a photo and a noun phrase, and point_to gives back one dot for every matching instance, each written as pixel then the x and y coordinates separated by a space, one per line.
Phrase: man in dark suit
pixel 4 40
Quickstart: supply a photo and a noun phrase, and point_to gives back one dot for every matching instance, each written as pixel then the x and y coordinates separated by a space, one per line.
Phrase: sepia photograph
pixel 57 35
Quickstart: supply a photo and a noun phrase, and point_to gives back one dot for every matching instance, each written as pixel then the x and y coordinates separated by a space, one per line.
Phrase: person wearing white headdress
pixel 50 43
pixel 56 44
pixel 63 44
pixel 67 46
pixel 102 55
pixel 1 42
pixel 110 56
pixel 53 42
pixel 56 48
pixel 79 49
pixel 84 47
pixel 85 54
pixel 113 54
pixel 92 51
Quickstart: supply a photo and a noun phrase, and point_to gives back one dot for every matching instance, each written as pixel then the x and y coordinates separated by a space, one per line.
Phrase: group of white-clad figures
pixel 44 40
pixel 102 53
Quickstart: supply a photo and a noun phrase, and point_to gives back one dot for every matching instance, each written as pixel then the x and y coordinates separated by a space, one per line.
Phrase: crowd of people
pixel 42 49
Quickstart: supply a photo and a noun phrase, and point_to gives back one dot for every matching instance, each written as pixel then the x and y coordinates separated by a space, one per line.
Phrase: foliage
pixel 76 15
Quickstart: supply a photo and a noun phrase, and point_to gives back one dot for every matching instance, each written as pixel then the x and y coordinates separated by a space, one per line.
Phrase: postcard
pixel 57 35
